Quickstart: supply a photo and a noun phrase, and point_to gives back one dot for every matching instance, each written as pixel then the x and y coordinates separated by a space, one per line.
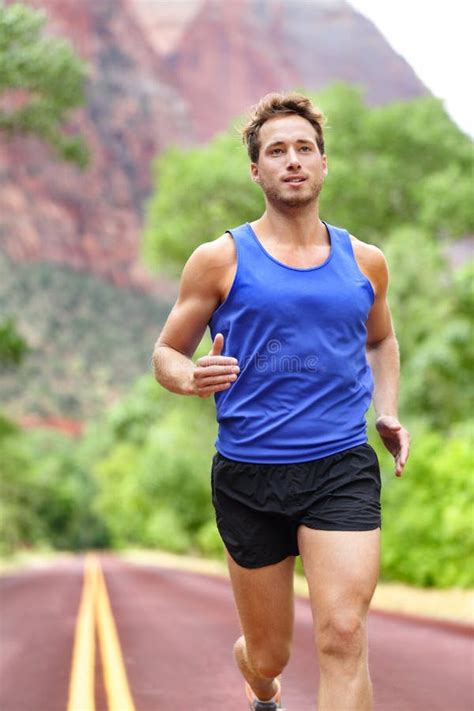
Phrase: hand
pixel 395 438
pixel 214 372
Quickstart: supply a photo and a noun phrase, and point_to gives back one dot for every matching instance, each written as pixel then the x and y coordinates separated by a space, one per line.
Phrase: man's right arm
pixel 199 296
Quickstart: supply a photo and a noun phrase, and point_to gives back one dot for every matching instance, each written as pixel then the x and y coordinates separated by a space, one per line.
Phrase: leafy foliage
pixel 45 495
pixel 393 164
pixel 200 193
pixel 431 304
pixel 13 346
pixel 46 75
pixel 19 521
pixel 427 527
pixel 158 438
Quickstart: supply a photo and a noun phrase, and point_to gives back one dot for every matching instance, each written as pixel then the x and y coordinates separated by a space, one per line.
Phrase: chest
pixel 318 298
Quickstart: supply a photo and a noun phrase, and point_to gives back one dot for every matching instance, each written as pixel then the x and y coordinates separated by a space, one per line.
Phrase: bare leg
pixel 264 599
pixel 342 568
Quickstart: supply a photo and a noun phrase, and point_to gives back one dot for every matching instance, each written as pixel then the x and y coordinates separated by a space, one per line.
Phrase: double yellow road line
pixel 95 613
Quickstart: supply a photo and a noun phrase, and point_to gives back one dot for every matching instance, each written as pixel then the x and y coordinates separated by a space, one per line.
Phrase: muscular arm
pixel 382 345
pixel 383 356
pixel 186 324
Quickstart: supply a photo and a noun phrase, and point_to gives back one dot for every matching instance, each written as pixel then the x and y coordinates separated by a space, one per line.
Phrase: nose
pixel 292 158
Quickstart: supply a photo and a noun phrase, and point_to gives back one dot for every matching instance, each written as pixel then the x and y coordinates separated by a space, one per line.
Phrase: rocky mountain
pixel 164 72
pixel 224 57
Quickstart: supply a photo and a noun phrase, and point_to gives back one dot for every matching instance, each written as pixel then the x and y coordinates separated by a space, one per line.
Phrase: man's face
pixel 290 168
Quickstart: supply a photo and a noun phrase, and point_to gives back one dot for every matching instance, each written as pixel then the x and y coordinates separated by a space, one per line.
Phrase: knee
pixel 269 663
pixel 342 634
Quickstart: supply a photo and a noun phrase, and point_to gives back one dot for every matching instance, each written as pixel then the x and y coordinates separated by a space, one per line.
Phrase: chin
pixel 301 202
pixel 304 197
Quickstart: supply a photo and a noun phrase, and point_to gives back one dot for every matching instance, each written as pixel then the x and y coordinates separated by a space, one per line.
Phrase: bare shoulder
pixel 369 253
pixel 211 266
pixel 217 253
pixel 213 255
pixel 372 262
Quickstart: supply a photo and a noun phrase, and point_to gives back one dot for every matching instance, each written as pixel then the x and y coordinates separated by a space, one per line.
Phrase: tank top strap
pixel 237 232
pixel 248 253
pixel 243 239
pixel 343 241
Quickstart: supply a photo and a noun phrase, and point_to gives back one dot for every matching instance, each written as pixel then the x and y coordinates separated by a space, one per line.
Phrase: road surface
pixel 96 633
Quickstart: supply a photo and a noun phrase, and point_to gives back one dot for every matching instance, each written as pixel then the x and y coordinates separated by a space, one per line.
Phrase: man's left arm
pixel 384 360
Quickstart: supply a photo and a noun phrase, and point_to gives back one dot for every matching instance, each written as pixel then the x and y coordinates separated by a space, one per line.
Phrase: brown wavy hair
pixel 276 105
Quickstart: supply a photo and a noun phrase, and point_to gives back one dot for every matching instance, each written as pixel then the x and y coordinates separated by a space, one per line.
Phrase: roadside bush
pixel 45 495
pixel 208 540
pixel 153 479
pixel 428 514
pixel 20 525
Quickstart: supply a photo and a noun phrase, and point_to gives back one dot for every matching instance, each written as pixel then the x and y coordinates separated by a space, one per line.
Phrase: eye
pixel 305 148
pixel 276 151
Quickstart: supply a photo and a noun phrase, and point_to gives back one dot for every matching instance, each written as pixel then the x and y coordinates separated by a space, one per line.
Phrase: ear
pixel 325 164
pixel 254 172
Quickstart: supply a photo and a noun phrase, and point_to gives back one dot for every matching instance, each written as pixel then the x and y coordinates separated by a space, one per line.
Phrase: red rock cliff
pixel 166 72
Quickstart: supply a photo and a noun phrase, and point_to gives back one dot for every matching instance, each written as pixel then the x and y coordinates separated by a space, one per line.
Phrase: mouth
pixel 294 179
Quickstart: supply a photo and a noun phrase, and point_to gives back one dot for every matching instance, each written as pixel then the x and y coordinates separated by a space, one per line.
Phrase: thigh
pixel 264 600
pixel 342 569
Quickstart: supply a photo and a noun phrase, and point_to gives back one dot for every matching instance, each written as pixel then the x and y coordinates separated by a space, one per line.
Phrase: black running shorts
pixel 260 506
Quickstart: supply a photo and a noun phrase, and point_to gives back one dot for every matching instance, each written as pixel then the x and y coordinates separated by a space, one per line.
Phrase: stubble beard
pixel 277 197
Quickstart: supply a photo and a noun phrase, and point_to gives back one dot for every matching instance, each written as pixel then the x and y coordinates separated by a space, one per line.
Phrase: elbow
pixel 389 340
pixel 156 362
pixel 155 368
pixel 161 361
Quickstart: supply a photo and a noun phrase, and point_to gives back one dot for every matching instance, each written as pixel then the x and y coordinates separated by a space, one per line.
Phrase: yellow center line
pixel 94 609
pixel 115 677
pixel 81 685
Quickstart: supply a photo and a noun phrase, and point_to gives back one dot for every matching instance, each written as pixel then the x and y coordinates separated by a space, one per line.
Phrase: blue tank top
pixel 299 336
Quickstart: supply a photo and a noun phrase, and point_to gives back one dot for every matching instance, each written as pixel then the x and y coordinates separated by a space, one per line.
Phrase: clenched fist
pixel 214 372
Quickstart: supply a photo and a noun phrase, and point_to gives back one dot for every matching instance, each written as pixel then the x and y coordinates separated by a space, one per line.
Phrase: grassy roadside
pixel 449 604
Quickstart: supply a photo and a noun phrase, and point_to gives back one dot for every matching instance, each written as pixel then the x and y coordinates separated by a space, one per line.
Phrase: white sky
pixel 436 39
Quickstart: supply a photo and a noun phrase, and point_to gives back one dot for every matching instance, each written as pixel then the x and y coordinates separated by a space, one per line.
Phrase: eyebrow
pixel 281 142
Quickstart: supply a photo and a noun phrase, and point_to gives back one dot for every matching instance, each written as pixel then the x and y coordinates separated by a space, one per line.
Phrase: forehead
pixel 288 127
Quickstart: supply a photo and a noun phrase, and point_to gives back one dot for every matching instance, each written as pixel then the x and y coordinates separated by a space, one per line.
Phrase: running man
pixel 302 341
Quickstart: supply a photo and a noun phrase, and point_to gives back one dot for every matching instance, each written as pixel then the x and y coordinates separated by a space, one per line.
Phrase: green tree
pixel 400 164
pixel 19 522
pixel 432 310
pixel 153 476
pixel 439 374
pixel 427 531
pixel 64 492
pixel 46 493
pixel 13 346
pixel 199 194
pixel 42 79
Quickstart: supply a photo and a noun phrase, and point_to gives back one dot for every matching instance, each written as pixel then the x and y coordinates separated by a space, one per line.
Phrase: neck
pixel 297 226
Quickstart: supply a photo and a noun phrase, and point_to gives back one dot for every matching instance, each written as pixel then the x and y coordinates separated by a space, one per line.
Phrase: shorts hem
pixel 253 565
pixel 336 527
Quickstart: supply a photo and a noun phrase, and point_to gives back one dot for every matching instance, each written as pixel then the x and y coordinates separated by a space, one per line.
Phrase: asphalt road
pixel 98 634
